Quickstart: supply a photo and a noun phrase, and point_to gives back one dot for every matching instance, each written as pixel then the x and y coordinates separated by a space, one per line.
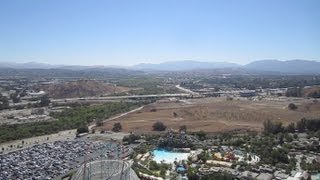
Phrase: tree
pixel 154 166
pixel 44 101
pixel 131 138
pixel 272 127
pixel 163 172
pixel 294 92
pixel 15 97
pixel 117 127
pixel 301 125
pixel 192 173
pixel 292 106
pixel 204 156
pixel 280 138
pixel 288 137
pixel 159 126
pixel 4 103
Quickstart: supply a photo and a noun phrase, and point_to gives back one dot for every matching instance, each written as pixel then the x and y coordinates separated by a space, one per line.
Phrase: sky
pixel 127 32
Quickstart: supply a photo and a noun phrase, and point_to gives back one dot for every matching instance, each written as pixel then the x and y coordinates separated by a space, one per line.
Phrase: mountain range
pixel 276 66
pixel 184 65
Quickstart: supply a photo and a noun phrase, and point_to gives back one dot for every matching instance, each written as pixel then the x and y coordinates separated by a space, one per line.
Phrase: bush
pixel 272 127
pixel 292 106
pixel 117 127
pixel 131 138
pixel 83 129
pixel 159 126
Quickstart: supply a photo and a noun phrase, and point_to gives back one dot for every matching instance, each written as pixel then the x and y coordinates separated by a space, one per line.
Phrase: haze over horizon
pixel 128 33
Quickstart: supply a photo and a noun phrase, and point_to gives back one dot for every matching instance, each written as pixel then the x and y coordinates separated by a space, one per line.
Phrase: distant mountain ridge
pixel 36 65
pixel 184 65
pixel 270 66
pixel 27 65
pixel 290 66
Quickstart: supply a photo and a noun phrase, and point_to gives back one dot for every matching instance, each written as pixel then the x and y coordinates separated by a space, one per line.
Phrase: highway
pixel 181 95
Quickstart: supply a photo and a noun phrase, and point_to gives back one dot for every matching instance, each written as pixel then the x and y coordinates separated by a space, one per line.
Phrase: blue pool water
pixel 168 156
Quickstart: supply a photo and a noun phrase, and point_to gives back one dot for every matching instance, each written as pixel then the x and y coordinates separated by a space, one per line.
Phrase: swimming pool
pixel 315 176
pixel 168 156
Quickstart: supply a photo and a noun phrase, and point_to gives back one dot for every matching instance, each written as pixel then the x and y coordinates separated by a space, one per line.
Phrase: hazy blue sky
pixel 132 31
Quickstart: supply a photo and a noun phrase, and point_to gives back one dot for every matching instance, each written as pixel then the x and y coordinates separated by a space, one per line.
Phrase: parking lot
pixel 50 160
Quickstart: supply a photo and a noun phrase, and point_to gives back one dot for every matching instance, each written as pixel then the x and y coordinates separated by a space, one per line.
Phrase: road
pixel 187 90
pixel 185 95
pixel 118 116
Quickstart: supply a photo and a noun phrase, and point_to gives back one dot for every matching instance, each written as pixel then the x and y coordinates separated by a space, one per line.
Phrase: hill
pixel 289 67
pixel 81 88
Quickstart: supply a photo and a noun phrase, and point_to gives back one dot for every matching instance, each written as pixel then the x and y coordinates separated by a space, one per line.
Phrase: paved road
pixel 187 90
pixel 185 95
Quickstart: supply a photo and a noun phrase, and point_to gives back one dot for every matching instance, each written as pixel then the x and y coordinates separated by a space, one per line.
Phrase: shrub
pixel 117 127
pixel 83 129
pixel 292 106
pixel 159 126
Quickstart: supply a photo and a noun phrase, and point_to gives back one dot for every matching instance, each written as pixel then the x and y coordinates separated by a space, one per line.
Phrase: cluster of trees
pixel 15 97
pixel 204 156
pixel 294 92
pixel 314 166
pixel 301 126
pixel 263 146
pixel 192 174
pixel 218 176
pixel 200 135
pixel 68 119
pixel 315 94
pixel 308 125
pixel 154 166
pixel 44 101
pixel 4 102
pixel 258 81
pixel 131 138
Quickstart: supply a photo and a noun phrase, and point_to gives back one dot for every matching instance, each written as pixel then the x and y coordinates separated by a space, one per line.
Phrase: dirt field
pixel 216 114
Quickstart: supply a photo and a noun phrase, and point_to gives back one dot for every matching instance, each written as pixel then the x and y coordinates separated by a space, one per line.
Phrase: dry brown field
pixel 216 114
